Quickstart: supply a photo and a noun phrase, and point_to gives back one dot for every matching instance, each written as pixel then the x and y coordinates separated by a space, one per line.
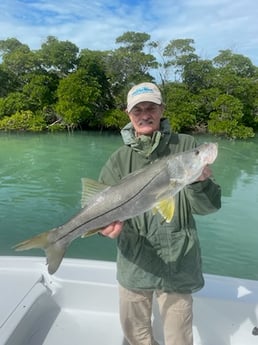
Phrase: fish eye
pixel 197 152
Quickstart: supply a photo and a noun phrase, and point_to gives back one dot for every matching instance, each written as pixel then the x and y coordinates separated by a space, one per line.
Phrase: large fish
pixel 151 188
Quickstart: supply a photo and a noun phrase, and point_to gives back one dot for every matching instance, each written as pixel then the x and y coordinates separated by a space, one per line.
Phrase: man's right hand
pixel 113 230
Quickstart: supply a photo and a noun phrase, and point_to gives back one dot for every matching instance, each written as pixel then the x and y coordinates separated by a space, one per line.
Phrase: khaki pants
pixel 136 311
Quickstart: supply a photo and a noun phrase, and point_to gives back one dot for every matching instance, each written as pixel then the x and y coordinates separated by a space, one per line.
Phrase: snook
pixel 151 188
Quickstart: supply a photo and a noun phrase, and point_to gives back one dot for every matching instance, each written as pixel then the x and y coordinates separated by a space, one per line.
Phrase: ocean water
pixel 40 188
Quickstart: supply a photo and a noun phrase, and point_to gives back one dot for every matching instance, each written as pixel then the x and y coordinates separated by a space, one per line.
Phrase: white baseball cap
pixel 144 92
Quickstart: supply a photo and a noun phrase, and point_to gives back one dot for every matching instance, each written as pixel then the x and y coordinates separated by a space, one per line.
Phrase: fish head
pixel 206 153
pixel 203 155
pixel 187 166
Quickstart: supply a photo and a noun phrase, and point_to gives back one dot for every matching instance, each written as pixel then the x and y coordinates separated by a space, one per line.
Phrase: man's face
pixel 145 117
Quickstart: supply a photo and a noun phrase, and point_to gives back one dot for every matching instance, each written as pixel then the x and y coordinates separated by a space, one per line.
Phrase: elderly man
pixel 154 256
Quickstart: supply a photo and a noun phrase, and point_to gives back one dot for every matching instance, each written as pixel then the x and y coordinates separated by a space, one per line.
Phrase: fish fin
pixel 54 252
pixel 90 233
pixel 90 187
pixel 39 241
pixel 166 207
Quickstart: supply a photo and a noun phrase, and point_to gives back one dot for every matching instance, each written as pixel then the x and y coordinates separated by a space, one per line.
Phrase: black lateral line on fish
pixel 79 226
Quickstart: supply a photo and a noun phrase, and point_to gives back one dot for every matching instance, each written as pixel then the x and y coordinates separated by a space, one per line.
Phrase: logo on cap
pixel 141 90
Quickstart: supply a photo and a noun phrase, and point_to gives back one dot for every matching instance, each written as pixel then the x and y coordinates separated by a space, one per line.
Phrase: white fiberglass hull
pixel 79 305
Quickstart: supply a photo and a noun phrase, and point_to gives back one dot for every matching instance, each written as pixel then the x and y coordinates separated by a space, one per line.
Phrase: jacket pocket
pixel 172 246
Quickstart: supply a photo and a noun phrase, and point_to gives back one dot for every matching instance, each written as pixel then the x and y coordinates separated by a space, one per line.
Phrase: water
pixel 40 188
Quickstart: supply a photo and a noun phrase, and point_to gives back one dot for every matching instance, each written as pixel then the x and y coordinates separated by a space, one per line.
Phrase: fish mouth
pixel 212 152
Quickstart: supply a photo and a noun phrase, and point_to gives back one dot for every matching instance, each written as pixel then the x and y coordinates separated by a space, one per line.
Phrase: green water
pixel 40 188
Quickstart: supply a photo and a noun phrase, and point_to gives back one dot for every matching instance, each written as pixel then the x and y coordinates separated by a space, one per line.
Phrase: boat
pixel 79 305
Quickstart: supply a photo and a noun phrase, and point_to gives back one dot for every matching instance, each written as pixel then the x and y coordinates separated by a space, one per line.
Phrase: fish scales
pixel 152 187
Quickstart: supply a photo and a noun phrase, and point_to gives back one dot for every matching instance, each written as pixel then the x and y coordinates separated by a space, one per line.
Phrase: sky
pixel 214 25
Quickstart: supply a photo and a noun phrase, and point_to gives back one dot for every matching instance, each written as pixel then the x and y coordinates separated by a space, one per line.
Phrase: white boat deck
pixel 79 305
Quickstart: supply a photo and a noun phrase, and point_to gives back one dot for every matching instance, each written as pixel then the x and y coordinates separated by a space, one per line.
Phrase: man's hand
pixel 113 230
pixel 206 173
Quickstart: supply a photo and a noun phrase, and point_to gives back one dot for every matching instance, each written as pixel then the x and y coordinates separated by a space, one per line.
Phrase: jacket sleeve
pixel 204 197
pixel 110 174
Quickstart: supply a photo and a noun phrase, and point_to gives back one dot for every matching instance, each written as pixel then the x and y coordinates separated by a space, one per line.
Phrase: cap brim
pixel 143 99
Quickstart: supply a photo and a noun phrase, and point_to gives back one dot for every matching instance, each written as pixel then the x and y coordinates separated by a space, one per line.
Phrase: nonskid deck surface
pixel 79 305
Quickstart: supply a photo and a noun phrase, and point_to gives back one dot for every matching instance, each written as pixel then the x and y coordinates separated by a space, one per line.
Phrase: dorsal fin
pixel 90 187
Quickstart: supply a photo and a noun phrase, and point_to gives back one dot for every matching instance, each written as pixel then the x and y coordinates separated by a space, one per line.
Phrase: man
pixel 155 256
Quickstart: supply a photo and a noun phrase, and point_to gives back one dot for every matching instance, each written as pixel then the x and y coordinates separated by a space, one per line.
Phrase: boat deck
pixel 79 305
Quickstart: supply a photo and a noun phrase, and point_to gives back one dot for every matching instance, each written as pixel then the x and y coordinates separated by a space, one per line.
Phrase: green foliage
pixel 255 114
pixel 38 91
pixel 6 82
pixel 129 64
pixel 180 110
pixel 236 64
pixel 67 88
pixel 115 119
pixel 204 102
pixel 58 56
pixel 56 127
pixel 198 75
pixel 18 61
pixel 226 118
pixel 230 129
pixel 9 45
pixel 133 41
pixel 14 102
pixel 93 63
pixel 179 53
pixel 78 95
pixel 23 121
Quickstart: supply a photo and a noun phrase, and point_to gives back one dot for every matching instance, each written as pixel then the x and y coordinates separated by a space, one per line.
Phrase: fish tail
pixel 39 241
pixel 54 251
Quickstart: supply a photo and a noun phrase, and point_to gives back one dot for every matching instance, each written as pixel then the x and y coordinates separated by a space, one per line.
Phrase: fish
pixel 151 188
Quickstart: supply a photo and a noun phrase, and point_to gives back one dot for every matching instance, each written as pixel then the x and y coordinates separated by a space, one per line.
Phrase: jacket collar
pixel 144 144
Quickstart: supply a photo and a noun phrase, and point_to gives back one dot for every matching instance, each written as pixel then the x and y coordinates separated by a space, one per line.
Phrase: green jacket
pixel 153 254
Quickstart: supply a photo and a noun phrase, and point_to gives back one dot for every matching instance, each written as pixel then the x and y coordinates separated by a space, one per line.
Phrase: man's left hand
pixel 206 173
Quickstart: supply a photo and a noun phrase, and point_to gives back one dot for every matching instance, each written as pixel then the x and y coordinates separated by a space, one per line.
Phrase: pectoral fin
pixel 166 208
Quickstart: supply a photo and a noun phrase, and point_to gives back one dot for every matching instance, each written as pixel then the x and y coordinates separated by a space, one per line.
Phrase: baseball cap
pixel 144 92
